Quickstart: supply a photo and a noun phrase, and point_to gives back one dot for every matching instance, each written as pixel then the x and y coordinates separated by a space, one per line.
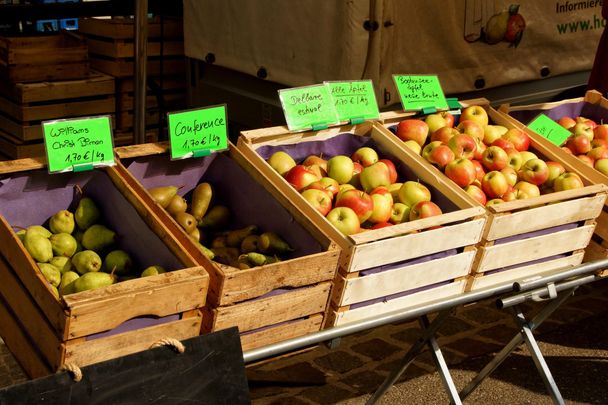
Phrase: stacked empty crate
pixel 112 51
pixel 46 78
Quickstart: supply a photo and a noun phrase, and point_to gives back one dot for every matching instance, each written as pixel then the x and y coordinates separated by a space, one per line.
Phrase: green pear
pixel 39 247
pixel 63 263
pixel 92 281
pixel 98 237
pixel 152 271
pixel 250 244
pixel 39 229
pixel 186 221
pixel 63 244
pixel 66 286
pixel 235 238
pixel 62 222
pixel 201 198
pixel 119 262
pixel 207 252
pixel 51 273
pixel 77 234
pixel 176 205
pixel 225 255
pixel 217 217
pixel 195 234
pixel 21 234
pixel 163 195
pixel 86 213
pixel 54 291
pixel 86 261
pixel 270 242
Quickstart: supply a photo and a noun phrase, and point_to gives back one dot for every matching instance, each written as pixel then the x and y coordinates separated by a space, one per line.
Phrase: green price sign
pixel 549 129
pixel 199 132
pixel 308 107
pixel 355 101
pixel 420 92
pixel 78 144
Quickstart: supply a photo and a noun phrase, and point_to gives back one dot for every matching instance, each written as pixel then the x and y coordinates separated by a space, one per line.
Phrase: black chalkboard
pixel 210 371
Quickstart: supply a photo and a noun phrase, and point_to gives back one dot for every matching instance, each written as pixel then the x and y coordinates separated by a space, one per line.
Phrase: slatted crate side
pixel 123 27
pixel 94 105
pixel 123 68
pixel 63 47
pixel 280 332
pixel 37 73
pixel 125 48
pixel 17 149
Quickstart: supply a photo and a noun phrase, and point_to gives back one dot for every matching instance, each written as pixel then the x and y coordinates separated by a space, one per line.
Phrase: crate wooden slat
pixel 456 231
pixel 282 332
pixel 126 67
pixel 126 48
pixel 555 212
pixel 123 27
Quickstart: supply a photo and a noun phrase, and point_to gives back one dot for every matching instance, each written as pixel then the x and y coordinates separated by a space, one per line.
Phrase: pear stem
pixel 79 189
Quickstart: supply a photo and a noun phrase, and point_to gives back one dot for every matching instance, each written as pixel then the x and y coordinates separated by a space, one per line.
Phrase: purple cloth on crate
pixel 534 234
pixel 346 144
pixel 248 201
pixel 398 295
pixel 135 324
pixel 584 109
pixel 537 261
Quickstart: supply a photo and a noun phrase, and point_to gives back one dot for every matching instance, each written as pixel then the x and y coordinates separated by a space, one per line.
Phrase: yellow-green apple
pixel 356 180
pixel 394 189
pixel 318 170
pixel 400 213
pixel 374 176
pixel 319 199
pixel 449 118
pixel 567 181
pixel 583 128
pixel 511 175
pixel 343 188
pixel 441 156
pixel 527 155
pixel 315 160
pixel 515 194
pixel 281 162
pixel 424 209
pixel 534 171
pixel 413 146
pixel 516 160
pixel 555 169
pixel 435 121
pixel 383 205
pixel 531 189
pixel 601 132
pixel 326 184
pixel 340 168
pixel 412 192
pixel 381 225
pixel 357 200
pixel 585 120
pixel 479 170
pixel 301 177
pixel 426 151
pixel 392 170
pixel 494 158
pixel 463 146
pixel 461 171
pixel 504 144
pixel 598 153
pixel 365 155
pixel 471 128
pixel 413 129
pixel 480 148
pixel 519 139
pixel 344 219
pixel 444 134
pixel 579 144
pixel 492 133
pixel 494 184
pixel 586 160
pixel 475 113
pixel 601 165
pixel 477 193
pixel 494 201
pixel 566 122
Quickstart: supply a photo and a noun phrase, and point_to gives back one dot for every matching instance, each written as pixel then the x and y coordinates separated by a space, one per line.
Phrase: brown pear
pixel 177 205
pixel 186 221
pixel 163 195
pixel 201 198
pixel 270 242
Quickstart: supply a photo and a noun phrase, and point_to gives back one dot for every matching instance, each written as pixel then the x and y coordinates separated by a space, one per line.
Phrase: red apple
pixel 381 225
pixel 567 181
pixel 319 199
pixel 504 144
pixel 412 192
pixel 579 144
pixel 585 120
pixel 494 184
pixel 340 168
pixel 343 188
pixel 527 155
pixel 400 213
pixel 534 171
pixel 477 193
pixel 583 129
pixel 601 132
pixel 471 128
pixel 392 170
pixel 567 150
pixel 586 160
pixel 530 189
pixel 461 171
pixel 479 170
pixel 463 146
pixel 315 160
pixel 359 201
pixel 318 170
pixel 480 148
pixel 515 194
pixel 598 153
pixel 301 177
pixel 355 180
pixel 475 113
pixel 444 134
pixel 424 209
pixel 566 122
pixel 326 184
pixel 599 143
pixel 518 138
pixel 383 206
pixel 441 156
pixel 494 158
pixel 374 176
pixel 413 129
pixel 344 219
pixel 365 155
pixel 426 151
pixel 281 162
pixel 555 169
pixel 449 118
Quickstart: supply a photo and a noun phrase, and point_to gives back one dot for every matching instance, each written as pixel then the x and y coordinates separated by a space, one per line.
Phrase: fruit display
pixel 491 162
pixel 358 192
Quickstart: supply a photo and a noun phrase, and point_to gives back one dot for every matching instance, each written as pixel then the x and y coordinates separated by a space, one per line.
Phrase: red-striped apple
pixel 301 177
pixel 494 184
pixel 494 158
pixel 357 200
pixel 534 171
pixel 318 199
pixel 413 129
pixel 424 209
pixel 461 171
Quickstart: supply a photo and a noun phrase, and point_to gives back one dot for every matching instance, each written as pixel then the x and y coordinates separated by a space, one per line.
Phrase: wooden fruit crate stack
pixel 385 269
pixel 112 50
pixel 268 303
pixel 526 238
pixel 45 332
pixel 592 106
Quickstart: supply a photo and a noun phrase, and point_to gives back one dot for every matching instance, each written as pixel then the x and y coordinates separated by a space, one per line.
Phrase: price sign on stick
pixel 198 132
pixel 355 101
pixel 549 129
pixel 420 93
pixel 308 107
pixel 78 144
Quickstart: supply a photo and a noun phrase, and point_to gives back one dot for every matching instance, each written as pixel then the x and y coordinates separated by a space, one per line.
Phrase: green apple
pixel 374 176
pixel 344 219
pixel 400 213
pixel 281 162
pixel 340 168
pixel 412 192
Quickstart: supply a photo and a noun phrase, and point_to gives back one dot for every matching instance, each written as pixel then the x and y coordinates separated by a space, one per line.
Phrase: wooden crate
pixel 526 238
pixel 262 300
pixel 24 105
pixel 361 289
pixel 96 325
pixel 592 106
pixel 61 56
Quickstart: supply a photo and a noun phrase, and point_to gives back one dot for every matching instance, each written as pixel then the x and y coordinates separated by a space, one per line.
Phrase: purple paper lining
pixel 537 261
pixel 582 108
pixel 263 328
pixel 248 201
pixel 534 234
pixel 399 295
pixel 346 144
pixel 135 324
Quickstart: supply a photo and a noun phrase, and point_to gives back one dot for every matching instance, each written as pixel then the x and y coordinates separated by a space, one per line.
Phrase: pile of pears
pixel 69 251
pixel 207 224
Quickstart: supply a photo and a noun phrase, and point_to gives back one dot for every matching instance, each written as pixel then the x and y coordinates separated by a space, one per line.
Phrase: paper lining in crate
pixel 435 253
pixel 592 106
pixel 268 303
pixel 528 237
pixel 45 332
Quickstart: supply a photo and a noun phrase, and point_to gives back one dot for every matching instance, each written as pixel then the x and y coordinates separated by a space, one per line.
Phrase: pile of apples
pixel 490 162
pixel 358 192
pixel 588 142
